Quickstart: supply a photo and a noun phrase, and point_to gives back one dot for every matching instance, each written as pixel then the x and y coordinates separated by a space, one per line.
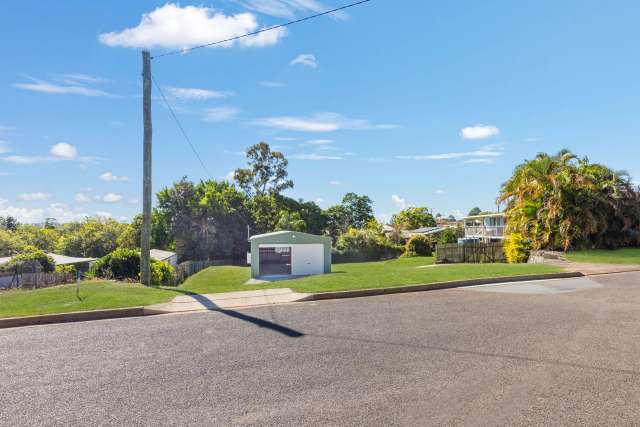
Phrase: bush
pixel 450 235
pixel 31 256
pixel 119 264
pixel 358 245
pixel 161 273
pixel 418 245
pixel 517 248
pixel 66 268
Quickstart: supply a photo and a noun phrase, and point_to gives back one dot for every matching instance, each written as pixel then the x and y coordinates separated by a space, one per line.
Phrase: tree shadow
pixel 262 323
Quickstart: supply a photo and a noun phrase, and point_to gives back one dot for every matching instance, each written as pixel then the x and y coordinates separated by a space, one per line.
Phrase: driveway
pixel 558 353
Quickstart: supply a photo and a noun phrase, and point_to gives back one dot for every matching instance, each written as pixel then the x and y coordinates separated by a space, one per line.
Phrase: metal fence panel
pixel 470 253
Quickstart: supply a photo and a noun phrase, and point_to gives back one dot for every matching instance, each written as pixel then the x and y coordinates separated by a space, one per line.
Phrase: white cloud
pixel 319 122
pixel 275 85
pixel 283 138
pixel 306 59
pixel 81 79
pixel 220 114
pixel 4 147
pixel 24 215
pixel 112 198
pixel 320 141
pixel 174 27
pixel 319 200
pixel 479 132
pixel 399 202
pixel 6 129
pixel 334 182
pixel 62 213
pixel 488 151
pixel 196 94
pixel 531 139
pixel 82 198
pixel 43 86
pixel 6 174
pixel 480 160
pixel 288 8
pixel 456 213
pixel 229 176
pixel 109 177
pixel 29 197
pixel 314 156
pixel 64 151
pixel 440 191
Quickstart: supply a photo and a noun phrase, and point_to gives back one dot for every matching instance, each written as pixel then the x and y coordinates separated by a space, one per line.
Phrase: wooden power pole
pixel 145 235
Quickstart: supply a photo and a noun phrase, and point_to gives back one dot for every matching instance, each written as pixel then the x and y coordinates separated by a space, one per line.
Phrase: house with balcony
pixel 485 228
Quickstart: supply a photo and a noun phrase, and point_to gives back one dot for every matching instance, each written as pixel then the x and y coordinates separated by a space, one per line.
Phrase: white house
pixel 485 228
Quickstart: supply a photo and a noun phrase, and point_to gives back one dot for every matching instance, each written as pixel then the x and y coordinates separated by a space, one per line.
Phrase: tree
pixel 475 211
pixel 9 223
pixel 338 221
pixel 359 209
pixel 413 217
pixel 93 237
pixel 290 221
pixel 561 201
pixel 267 173
pixel 160 233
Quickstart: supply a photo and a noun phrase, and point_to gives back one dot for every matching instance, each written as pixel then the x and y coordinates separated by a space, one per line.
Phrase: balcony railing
pixel 484 231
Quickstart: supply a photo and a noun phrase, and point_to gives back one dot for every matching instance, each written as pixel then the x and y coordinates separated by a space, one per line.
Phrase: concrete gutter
pixel 76 316
pixel 435 286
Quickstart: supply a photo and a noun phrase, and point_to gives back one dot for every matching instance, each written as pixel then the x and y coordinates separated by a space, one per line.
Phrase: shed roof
pixel 59 259
pixel 160 255
pixel 289 234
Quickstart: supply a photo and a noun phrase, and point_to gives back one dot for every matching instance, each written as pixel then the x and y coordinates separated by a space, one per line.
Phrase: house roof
pixel 426 230
pixel 160 255
pixel 59 259
pixel 484 215
pixel 289 237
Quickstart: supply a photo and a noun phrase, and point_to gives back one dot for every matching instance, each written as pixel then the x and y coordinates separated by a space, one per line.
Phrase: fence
pixel 188 268
pixel 13 280
pixel 470 252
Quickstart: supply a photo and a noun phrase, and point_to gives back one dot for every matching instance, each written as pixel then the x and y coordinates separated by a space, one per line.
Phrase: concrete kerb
pixel 81 316
pixel 435 286
pixel 76 316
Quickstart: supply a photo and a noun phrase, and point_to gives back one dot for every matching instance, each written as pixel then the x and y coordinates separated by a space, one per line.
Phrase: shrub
pixel 161 273
pixel 357 245
pixel 450 235
pixel 66 268
pixel 418 245
pixel 119 264
pixel 517 248
pixel 30 256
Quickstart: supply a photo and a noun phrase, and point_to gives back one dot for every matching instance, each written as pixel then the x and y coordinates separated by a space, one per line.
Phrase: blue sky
pixel 426 103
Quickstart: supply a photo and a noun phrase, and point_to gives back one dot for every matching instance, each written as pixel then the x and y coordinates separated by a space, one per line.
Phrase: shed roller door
pixel 307 259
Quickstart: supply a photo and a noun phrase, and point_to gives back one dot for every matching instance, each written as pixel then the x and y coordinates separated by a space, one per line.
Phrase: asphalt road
pixel 557 353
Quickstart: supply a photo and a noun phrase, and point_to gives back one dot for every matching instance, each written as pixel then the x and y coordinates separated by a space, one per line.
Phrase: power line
pixel 180 51
pixel 175 117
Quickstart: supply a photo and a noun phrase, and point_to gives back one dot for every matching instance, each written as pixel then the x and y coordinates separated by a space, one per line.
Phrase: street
pixel 557 352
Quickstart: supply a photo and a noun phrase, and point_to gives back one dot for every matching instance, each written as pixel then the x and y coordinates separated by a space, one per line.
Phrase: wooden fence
pixel 470 252
pixel 14 280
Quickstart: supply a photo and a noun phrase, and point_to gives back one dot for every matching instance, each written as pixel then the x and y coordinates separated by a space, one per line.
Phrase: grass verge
pixel 606 256
pixel 367 275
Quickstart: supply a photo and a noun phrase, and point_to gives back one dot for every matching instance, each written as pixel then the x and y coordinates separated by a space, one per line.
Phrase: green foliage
pixel 160 233
pixel 162 273
pixel 8 223
pixel 358 208
pixel 122 263
pixel 364 245
pixel 8 243
pixel 413 217
pixel 207 220
pixel 266 174
pixel 32 256
pixel 290 221
pixel 418 245
pixel 91 238
pixel 561 202
pixel 451 235
pixel 517 248
pixel 66 268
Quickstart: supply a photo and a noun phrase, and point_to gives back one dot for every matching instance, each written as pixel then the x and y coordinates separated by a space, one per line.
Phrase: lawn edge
pixel 74 316
pixel 436 286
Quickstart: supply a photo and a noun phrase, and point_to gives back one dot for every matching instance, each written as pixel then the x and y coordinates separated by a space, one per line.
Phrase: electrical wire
pixel 184 133
pixel 182 51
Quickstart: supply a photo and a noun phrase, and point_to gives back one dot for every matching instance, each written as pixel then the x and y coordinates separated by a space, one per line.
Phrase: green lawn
pixel 399 272
pixel 604 256
pixel 103 295
pixel 93 296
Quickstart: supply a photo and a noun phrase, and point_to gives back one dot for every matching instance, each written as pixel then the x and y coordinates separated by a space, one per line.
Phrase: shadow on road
pixel 262 323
